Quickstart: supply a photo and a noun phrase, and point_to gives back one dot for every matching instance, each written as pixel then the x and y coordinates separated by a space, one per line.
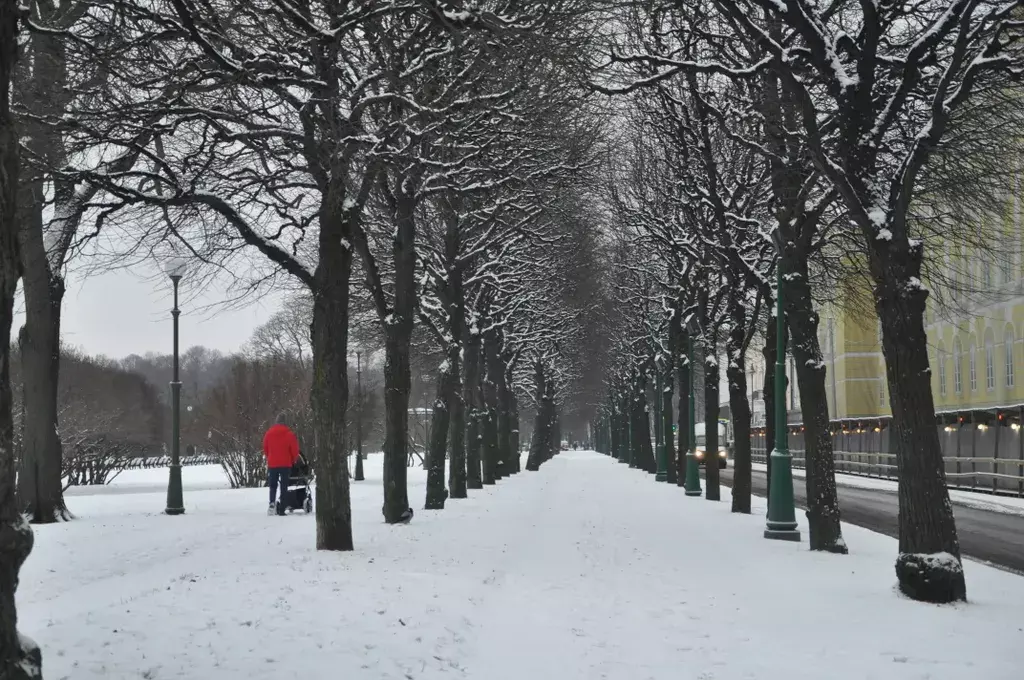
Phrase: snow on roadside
pixel 1007 505
pixel 584 570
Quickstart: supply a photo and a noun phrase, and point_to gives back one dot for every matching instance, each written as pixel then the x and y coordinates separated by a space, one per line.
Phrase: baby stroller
pixel 300 497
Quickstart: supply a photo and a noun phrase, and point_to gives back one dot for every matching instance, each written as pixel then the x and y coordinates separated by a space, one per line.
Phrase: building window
pixel 990 369
pixel 1008 342
pixel 881 392
pixel 1006 264
pixel 958 373
pixel 972 368
pixel 941 357
pixel 986 272
pixel 879 334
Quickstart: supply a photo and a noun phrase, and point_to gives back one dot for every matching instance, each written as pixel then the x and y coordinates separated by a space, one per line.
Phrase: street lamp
pixel 359 417
pixel 692 484
pixel 175 505
pixel 781 524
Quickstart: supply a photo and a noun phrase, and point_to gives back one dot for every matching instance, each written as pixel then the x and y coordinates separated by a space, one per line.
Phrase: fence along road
pixel 993 537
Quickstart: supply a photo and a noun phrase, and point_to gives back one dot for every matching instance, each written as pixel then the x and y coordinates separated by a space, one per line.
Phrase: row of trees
pixel 812 145
pixel 395 164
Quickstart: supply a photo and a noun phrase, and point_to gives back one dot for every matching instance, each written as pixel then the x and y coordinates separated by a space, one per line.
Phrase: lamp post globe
pixel 175 503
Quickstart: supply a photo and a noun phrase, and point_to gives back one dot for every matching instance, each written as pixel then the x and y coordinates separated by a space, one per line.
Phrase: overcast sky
pixel 128 312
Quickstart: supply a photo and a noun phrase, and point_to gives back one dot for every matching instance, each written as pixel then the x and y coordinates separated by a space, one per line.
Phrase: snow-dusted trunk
pixel 457 427
pixel 397 384
pixel 683 371
pixel 667 420
pixel 508 454
pixel 541 423
pixel 736 375
pixel 929 566
pixel 471 399
pixel 329 392
pixel 40 492
pixel 649 462
pixel 769 352
pixel 19 660
pixel 514 426
pixel 712 490
pixel 822 500
pixel 489 401
pixel 440 418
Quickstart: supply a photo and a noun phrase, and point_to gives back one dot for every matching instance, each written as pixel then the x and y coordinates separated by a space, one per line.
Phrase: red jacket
pixel 280 446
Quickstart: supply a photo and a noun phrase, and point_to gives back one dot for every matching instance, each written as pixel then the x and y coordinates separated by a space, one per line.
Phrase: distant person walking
pixel 281 449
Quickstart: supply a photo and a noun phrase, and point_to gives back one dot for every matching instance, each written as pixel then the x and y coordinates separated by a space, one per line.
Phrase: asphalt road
pixel 993 537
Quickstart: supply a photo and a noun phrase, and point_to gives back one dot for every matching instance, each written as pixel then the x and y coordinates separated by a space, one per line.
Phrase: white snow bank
pixel 584 570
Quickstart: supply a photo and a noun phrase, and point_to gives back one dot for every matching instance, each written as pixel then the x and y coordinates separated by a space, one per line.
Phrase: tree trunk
pixel 492 463
pixel 684 408
pixel 457 427
pixel 515 425
pixel 40 492
pixel 770 352
pixel 19 659
pixel 650 461
pixel 713 491
pixel 826 532
pixel 541 425
pixel 397 383
pixel 508 454
pixel 929 566
pixel 329 396
pixel 440 419
pixel 736 374
pixel 471 392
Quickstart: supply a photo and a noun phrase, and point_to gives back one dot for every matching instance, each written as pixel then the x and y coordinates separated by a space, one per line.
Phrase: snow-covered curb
pixel 1006 505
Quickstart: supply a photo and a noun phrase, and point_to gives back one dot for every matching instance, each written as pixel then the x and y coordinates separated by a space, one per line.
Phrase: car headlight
pixel 722 453
pixel 700 454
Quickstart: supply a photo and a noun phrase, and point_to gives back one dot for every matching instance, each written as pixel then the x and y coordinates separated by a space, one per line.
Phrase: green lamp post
pixel 781 523
pixel 692 484
pixel 659 435
pixel 175 502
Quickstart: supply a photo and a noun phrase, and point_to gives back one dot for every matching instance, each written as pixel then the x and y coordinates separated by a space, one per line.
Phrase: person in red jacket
pixel 281 449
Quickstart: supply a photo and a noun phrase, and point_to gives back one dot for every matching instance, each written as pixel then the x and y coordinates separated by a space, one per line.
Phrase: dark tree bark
pixel 471 398
pixel 927 528
pixel 770 352
pixel 329 395
pixel 514 425
pixel 822 499
pixel 19 660
pixel 508 454
pixel 397 384
pixel 457 482
pixel 45 95
pixel 668 385
pixel 492 459
pixel 650 463
pixel 736 374
pixel 440 418
pixel 542 423
pixel 683 430
pixel 713 490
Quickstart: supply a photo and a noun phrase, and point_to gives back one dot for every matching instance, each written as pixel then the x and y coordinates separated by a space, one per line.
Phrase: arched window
pixel 940 358
pixel 1008 349
pixel 958 373
pixel 972 366
pixel 990 362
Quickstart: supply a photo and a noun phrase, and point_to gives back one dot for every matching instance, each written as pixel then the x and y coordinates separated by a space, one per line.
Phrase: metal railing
pixel 986 474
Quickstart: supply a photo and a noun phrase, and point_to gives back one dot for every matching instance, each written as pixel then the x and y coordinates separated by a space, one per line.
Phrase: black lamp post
pixel 175 503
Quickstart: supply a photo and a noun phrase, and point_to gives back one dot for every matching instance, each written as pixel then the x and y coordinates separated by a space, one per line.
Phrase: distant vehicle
pixel 724 445
pixel 565 445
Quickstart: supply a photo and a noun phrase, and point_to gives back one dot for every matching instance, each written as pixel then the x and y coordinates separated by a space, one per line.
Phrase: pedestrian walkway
pixel 581 571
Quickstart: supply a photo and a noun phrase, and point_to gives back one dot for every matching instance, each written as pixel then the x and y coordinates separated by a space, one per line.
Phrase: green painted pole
pixel 659 434
pixel 692 484
pixel 781 524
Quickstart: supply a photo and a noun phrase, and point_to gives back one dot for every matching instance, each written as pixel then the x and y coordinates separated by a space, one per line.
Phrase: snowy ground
pixel 582 571
pixel 1010 505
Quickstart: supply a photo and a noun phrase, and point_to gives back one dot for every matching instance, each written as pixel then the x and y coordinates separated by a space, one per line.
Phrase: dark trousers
pixel 279 475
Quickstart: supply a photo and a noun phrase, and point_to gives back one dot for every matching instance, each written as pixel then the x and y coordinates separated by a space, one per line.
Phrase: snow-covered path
pixel 582 571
